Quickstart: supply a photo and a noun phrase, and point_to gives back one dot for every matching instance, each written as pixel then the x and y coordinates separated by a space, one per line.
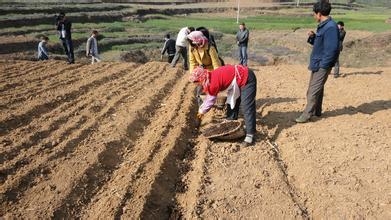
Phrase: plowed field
pixel 120 140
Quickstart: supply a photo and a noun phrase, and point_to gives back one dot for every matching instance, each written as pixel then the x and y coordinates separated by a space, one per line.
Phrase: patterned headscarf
pixel 197 38
pixel 201 76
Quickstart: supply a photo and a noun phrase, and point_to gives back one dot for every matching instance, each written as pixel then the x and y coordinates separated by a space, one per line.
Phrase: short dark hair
pixel 94 32
pixel 341 23
pixel 191 29
pixel 44 38
pixel 323 7
pixel 168 36
pixel 242 23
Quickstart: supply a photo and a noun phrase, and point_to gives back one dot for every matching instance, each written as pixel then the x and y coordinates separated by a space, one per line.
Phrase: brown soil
pixel 120 140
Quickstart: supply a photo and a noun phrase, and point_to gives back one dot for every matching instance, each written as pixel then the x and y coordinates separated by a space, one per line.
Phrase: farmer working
pixel 241 85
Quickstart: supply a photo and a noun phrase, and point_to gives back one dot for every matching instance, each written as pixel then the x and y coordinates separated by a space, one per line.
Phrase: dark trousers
pixel 183 52
pixel 43 57
pixel 315 93
pixel 243 55
pixel 336 68
pixel 68 48
pixel 170 58
pixel 247 102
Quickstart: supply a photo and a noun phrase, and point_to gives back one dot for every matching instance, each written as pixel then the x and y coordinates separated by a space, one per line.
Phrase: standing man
pixel 181 47
pixel 92 47
pixel 242 41
pixel 64 30
pixel 324 54
pixel 169 47
pixel 342 33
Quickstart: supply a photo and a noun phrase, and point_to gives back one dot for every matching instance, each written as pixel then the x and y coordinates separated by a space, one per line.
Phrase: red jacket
pixel 221 78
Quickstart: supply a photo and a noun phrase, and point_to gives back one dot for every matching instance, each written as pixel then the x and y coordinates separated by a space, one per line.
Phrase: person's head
pixel 341 25
pixel 204 31
pixel 190 29
pixel 197 39
pixel 242 26
pixel 167 36
pixel 44 39
pixel 321 10
pixel 61 16
pixel 94 33
pixel 201 77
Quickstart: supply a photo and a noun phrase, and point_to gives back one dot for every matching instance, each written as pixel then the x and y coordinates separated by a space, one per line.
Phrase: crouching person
pixel 241 85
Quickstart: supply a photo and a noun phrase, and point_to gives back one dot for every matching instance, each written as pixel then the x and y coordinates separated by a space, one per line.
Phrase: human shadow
pixel 362 73
pixel 280 121
pixel 263 103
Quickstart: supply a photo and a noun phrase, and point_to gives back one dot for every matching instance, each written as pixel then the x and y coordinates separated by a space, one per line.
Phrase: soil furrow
pixel 31 86
pixel 109 110
pixel 80 110
pixel 137 156
pixel 55 86
pixel 67 108
pixel 145 186
pixel 26 117
pixel 77 199
pixel 19 69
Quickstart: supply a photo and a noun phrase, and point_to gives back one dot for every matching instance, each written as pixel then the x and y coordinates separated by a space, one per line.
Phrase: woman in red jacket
pixel 241 85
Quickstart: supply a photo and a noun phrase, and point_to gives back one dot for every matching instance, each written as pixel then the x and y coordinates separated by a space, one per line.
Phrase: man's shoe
pixel 249 140
pixel 302 119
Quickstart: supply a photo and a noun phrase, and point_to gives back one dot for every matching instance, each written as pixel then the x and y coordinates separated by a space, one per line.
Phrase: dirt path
pixel 119 140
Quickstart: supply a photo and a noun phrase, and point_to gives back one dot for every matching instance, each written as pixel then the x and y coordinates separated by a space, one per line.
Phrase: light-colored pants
pixel 95 58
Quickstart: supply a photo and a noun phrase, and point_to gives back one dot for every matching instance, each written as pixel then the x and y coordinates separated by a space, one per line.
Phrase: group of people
pixel 240 81
pixel 63 27
pixel 200 56
pixel 199 52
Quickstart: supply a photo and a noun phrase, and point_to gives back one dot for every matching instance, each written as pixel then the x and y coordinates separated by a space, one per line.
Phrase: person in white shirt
pixel 181 47
pixel 92 47
pixel 42 49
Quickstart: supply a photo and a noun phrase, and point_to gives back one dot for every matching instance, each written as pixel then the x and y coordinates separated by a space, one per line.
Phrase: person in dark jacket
pixel 242 40
pixel 64 30
pixel 324 54
pixel 342 33
pixel 169 47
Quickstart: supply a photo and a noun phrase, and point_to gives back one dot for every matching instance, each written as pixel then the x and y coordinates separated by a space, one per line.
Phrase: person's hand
pixel 200 115
pixel 311 33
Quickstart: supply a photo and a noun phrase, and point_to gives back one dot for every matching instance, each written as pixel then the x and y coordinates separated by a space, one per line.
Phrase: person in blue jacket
pixel 324 54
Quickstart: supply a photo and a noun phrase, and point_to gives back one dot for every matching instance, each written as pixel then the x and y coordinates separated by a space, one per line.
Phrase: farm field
pixel 122 142
pixel 119 139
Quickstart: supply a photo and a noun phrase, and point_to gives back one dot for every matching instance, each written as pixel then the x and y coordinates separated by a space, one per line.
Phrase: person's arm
pixel 214 57
pixel 192 61
pixel 243 36
pixel 342 35
pixel 164 47
pixel 330 48
pixel 311 37
pixel 88 47
pixel 207 104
